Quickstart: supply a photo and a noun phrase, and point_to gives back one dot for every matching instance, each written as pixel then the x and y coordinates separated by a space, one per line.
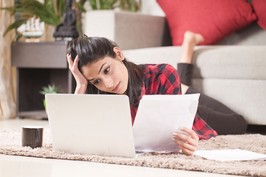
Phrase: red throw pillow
pixel 213 19
pixel 259 7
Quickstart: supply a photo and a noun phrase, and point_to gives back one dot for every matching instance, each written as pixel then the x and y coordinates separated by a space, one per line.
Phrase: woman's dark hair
pixel 92 49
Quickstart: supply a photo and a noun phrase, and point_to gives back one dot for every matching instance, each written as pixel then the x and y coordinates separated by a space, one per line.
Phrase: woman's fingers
pixel 69 60
pixel 73 66
pixel 191 133
pixel 187 140
pixel 187 152
pixel 187 135
pixel 81 81
pixel 76 60
pixel 187 144
pixel 188 147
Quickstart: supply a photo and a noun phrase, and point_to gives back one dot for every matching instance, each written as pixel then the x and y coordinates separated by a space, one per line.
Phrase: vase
pixel 48 33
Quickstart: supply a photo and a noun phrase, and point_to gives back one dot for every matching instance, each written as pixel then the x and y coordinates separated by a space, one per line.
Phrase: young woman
pixel 99 66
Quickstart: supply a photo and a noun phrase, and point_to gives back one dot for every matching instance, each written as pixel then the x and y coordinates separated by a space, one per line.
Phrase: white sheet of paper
pixel 158 117
pixel 230 155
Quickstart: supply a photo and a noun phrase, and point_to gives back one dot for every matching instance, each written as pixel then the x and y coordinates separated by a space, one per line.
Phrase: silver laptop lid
pixel 91 124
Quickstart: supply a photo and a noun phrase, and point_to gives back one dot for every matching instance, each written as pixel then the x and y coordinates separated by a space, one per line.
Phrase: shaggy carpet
pixel 10 144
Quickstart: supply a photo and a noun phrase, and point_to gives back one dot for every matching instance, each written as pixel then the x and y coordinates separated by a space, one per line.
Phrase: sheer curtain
pixel 7 94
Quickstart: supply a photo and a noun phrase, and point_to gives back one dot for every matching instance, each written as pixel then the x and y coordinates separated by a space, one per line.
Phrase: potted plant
pixel 125 5
pixel 50 12
pixel 49 89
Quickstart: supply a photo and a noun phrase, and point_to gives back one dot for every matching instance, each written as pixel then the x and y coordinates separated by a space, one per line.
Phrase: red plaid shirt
pixel 164 79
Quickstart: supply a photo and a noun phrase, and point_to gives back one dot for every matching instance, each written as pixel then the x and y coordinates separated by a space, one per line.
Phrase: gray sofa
pixel 233 71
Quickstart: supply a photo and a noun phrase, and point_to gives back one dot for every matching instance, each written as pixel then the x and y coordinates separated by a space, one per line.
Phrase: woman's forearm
pixel 81 89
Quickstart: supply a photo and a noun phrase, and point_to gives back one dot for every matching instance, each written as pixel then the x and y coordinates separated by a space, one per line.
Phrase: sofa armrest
pixel 129 30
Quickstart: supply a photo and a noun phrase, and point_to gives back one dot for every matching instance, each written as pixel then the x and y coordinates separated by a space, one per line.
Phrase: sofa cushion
pixel 251 35
pixel 214 20
pixel 230 62
pixel 259 7
pixel 210 62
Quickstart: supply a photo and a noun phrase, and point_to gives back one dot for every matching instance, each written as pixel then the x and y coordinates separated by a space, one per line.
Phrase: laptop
pixel 91 124
pixel 101 124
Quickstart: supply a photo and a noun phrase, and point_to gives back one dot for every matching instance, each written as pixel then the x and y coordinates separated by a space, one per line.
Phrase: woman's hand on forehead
pixel 81 81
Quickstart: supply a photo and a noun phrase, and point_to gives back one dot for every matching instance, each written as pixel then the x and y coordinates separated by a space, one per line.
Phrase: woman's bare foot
pixel 193 38
pixel 190 41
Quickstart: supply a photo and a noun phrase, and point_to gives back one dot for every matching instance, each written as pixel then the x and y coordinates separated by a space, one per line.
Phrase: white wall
pixel 151 7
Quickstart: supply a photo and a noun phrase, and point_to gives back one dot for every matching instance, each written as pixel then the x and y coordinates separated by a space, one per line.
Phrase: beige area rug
pixel 10 144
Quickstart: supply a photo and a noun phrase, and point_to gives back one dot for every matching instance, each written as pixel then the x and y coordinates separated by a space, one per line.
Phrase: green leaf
pixel 50 12
pixel 127 5
pixel 15 25
pixel 50 89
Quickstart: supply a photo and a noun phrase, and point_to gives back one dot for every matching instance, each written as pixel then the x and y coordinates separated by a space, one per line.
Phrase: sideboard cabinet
pixel 38 65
